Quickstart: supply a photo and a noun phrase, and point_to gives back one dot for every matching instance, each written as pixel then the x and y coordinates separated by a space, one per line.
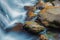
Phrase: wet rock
pixel 39 3
pixel 31 8
pixel 56 2
pixel 18 27
pixel 43 37
pixel 34 27
pixel 30 15
pixel 49 15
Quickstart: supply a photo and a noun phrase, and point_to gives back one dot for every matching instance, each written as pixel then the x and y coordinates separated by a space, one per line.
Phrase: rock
pixel 43 37
pixel 18 27
pixel 56 2
pixel 50 0
pixel 31 8
pixel 40 4
pixel 34 27
pixel 50 14
pixel 30 15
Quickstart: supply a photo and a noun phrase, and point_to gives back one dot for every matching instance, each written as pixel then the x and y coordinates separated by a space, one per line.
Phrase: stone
pixel 34 27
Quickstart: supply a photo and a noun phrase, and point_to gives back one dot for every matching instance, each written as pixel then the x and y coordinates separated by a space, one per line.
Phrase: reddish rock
pixel 18 27
pixel 29 8
pixel 43 37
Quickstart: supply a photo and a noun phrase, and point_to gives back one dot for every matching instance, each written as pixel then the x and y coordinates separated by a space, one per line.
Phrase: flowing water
pixel 11 12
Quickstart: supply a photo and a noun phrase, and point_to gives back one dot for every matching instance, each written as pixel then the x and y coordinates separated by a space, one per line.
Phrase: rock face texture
pixel 18 27
pixel 34 27
pixel 57 2
pixel 52 14
pixel 50 17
